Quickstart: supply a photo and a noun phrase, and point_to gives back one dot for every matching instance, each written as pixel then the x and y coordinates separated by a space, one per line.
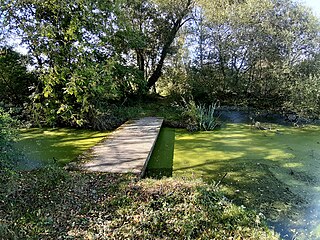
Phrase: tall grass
pixel 201 117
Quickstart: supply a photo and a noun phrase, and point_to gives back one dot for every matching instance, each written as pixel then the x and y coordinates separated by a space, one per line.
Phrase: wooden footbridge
pixel 127 149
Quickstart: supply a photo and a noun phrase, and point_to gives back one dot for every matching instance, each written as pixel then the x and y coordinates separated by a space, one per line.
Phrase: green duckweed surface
pixel 47 145
pixel 161 161
pixel 276 172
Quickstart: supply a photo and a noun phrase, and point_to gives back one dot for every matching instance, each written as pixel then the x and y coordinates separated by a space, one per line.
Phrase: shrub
pixel 304 98
pixel 8 134
pixel 16 82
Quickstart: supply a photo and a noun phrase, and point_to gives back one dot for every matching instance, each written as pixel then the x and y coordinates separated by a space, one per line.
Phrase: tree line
pixel 85 55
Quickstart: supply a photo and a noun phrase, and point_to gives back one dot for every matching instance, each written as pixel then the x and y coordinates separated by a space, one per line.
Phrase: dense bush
pixel 304 98
pixel 8 134
pixel 16 83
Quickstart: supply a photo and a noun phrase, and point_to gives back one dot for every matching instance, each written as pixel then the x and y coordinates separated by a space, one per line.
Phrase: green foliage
pixel 249 52
pixel 75 81
pixel 174 83
pixel 200 117
pixel 205 82
pixel 303 90
pixel 90 53
pixel 8 134
pixel 74 97
pixel 78 205
pixel 16 82
pixel 147 30
pixel 150 105
pixel 207 116
pixel 304 98
pixel 190 115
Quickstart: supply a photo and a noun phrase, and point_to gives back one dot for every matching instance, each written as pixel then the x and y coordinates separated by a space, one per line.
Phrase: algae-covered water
pixel 276 172
pixel 41 146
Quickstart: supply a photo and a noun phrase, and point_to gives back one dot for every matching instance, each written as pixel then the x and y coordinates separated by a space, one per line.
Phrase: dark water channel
pixel 290 173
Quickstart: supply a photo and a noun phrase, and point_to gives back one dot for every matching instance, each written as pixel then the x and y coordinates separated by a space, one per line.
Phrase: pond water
pixel 40 146
pixel 276 172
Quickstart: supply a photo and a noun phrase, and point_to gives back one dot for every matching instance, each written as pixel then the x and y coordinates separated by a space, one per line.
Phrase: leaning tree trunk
pixel 166 47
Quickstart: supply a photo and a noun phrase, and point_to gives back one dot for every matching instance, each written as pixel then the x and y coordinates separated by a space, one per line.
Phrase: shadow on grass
pixel 50 203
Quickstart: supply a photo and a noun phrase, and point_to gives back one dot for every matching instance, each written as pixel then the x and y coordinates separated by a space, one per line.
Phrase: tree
pixel 16 83
pixel 253 48
pixel 84 50
pixel 304 97
pixel 60 36
pixel 146 32
pixel 175 18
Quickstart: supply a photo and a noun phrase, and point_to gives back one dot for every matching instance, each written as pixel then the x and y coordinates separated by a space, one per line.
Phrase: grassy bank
pixel 54 204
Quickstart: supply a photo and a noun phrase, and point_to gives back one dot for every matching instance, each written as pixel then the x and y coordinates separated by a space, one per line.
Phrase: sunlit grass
pixel 61 145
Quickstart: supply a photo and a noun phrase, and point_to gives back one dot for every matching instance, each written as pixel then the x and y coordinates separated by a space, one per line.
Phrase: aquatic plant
pixel 201 117
pixel 206 116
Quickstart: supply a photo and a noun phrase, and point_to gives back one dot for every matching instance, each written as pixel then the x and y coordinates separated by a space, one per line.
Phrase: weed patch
pixel 53 204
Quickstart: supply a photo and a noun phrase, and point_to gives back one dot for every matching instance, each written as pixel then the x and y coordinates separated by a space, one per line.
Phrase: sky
pixel 314 4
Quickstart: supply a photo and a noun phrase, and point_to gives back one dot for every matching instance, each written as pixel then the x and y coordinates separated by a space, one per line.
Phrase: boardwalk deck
pixel 128 149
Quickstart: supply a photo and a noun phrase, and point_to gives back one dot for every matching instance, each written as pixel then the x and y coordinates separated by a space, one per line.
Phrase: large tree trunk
pixel 166 47
pixel 158 71
pixel 140 59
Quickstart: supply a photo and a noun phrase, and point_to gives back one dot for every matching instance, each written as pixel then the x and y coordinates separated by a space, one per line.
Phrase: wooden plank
pixel 128 149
